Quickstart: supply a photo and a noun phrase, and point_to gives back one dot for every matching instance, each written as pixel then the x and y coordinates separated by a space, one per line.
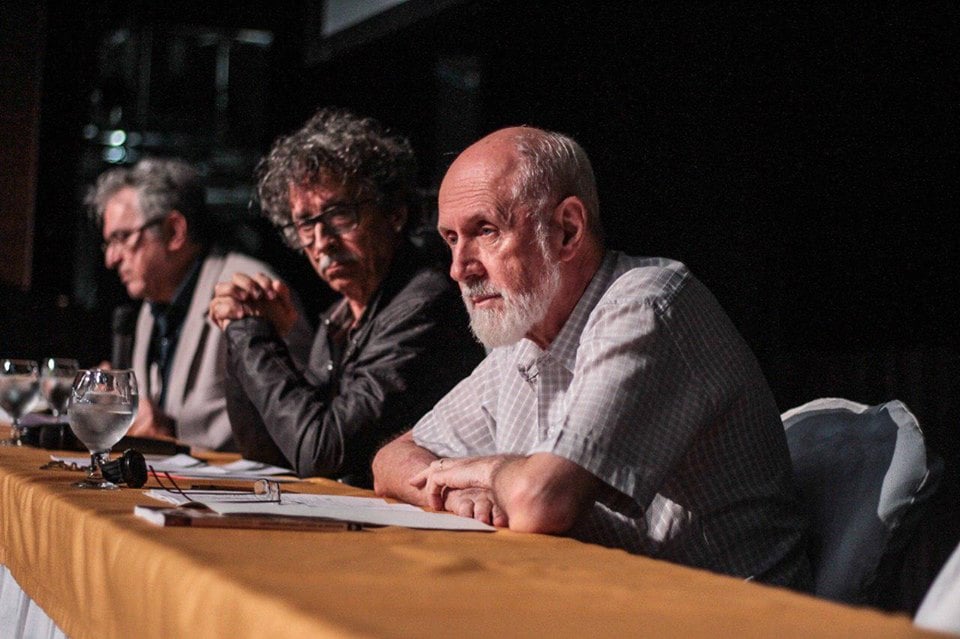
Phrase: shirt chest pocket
pixel 552 396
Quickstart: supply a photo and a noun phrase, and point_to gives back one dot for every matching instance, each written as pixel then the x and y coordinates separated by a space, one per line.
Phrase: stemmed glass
pixel 101 409
pixel 19 386
pixel 56 379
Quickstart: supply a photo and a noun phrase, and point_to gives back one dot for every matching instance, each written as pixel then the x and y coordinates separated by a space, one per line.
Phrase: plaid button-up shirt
pixel 649 387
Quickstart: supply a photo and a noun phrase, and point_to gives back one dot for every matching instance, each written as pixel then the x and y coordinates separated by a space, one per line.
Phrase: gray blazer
pixel 196 396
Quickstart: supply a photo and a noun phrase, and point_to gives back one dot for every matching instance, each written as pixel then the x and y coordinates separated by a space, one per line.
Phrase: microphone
pixel 527 375
pixel 124 320
pixel 130 469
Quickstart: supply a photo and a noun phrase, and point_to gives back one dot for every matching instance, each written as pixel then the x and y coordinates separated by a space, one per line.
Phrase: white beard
pixel 520 311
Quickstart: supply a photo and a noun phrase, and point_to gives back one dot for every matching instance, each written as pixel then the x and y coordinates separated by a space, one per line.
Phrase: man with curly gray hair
pixel 342 189
pixel 157 235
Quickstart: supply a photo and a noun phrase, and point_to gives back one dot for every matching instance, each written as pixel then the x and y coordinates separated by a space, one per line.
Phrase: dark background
pixel 801 159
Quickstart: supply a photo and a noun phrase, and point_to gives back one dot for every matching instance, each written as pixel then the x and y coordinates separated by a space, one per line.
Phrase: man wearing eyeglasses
pixel 157 236
pixel 343 191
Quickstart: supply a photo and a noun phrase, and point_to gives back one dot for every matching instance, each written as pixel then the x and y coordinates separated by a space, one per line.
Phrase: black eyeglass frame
pixel 302 233
pixel 264 490
pixel 122 236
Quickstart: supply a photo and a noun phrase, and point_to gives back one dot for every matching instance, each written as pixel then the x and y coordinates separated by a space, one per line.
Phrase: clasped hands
pixel 256 296
pixel 464 487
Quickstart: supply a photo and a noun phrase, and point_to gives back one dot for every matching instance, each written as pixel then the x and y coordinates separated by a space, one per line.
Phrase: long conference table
pixel 99 572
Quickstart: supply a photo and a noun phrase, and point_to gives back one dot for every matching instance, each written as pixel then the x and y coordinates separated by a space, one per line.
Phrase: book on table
pixel 203 517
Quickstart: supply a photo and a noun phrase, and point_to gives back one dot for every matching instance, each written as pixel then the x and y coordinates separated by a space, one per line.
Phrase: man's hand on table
pixel 475 503
pixel 464 486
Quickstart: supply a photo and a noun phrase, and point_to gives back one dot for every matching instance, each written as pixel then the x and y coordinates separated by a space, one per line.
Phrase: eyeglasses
pixel 337 219
pixel 264 490
pixel 120 237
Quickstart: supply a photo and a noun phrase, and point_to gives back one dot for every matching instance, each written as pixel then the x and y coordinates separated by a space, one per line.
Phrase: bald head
pixel 531 169
pixel 488 169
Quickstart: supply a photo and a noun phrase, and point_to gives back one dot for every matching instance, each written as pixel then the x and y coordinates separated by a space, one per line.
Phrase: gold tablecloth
pixel 99 572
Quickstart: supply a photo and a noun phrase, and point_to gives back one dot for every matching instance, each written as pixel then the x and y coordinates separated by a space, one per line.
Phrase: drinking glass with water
pixel 56 379
pixel 102 406
pixel 19 386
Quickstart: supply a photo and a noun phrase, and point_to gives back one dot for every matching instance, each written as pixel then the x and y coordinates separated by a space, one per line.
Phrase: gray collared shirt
pixel 649 387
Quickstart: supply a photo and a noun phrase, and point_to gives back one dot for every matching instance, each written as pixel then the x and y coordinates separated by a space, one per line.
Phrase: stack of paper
pixel 362 510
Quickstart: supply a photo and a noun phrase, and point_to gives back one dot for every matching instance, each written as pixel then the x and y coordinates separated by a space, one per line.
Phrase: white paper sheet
pixel 389 515
pixel 364 510
pixel 209 497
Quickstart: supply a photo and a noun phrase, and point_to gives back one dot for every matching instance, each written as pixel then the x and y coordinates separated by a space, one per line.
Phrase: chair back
pixel 863 474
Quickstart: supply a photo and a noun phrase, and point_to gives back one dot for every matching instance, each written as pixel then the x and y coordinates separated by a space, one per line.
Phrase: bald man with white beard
pixel 617 405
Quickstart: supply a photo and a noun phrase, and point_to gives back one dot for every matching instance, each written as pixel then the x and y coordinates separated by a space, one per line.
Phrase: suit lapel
pixel 194 331
pixel 141 346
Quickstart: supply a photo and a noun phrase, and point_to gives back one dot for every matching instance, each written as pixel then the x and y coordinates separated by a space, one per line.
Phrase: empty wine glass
pixel 19 386
pixel 56 379
pixel 101 408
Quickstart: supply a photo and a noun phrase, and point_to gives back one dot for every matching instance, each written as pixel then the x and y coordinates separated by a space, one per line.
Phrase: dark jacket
pixel 412 346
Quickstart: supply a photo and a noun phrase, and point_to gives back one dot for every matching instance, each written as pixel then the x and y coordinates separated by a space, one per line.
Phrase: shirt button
pixel 329 366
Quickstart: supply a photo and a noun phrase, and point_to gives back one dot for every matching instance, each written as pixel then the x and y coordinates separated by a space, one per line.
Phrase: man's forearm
pixel 542 493
pixel 274 405
pixel 396 464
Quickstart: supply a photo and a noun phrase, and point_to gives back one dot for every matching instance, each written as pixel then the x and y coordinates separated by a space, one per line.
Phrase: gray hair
pixel 337 148
pixel 553 166
pixel 162 185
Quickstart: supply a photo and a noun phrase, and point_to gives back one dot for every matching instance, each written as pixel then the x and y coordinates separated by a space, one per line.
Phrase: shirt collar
pixel 406 261
pixel 563 348
pixel 341 316
pixel 181 297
